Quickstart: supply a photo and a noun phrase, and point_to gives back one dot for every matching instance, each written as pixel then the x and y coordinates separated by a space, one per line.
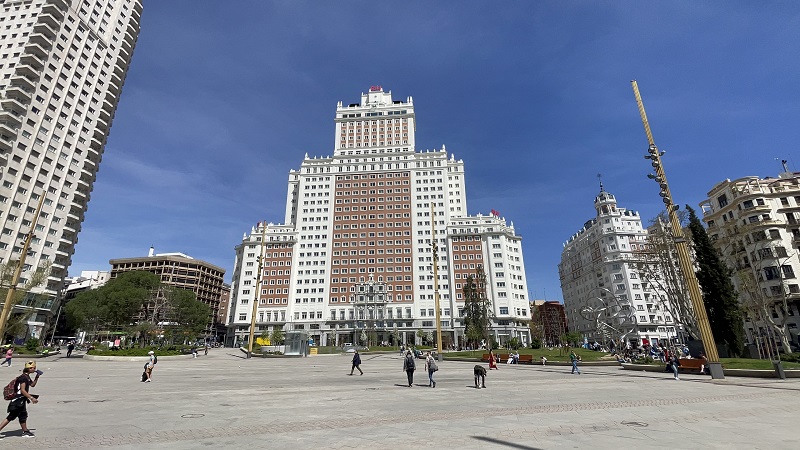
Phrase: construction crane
pixel 681 245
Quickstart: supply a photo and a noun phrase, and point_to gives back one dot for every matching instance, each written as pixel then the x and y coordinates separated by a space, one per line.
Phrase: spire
pixel 600 177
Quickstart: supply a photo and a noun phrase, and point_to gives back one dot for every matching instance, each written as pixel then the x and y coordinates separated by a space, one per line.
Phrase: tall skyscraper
pixel 367 216
pixel 608 293
pixel 61 73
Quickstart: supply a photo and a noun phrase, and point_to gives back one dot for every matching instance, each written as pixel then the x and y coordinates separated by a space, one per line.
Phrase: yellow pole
pixel 12 289
pixel 682 247
pixel 436 283
pixel 259 280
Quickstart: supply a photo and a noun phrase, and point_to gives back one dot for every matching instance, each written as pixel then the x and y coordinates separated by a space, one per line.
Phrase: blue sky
pixel 224 98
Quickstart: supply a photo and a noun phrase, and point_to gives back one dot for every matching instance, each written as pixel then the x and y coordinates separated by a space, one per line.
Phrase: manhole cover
pixel 192 416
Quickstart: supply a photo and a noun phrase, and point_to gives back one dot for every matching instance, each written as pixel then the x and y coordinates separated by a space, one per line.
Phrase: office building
pixel 373 212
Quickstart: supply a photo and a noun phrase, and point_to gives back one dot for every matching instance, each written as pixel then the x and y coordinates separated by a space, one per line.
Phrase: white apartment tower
pixel 754 223
pixel 599 279
pixel 372 213
pixel 61 73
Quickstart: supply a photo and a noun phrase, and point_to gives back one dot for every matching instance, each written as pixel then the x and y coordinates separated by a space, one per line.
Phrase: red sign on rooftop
pixel 374 88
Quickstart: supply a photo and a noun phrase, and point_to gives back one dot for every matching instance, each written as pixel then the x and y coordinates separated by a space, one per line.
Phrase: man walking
pixel 430 366
pixel 409 366
pixel 356 363
pixel 574 358
pixel 150 365
pixel 17 408
pixel 70 348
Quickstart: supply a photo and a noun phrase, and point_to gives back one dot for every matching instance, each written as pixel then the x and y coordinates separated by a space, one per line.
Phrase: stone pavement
pixel 224 401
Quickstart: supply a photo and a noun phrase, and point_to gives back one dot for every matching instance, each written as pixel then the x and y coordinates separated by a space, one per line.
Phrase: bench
pixel 690 364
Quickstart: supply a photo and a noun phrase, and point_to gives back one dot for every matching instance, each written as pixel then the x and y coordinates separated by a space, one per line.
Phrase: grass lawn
pixel 556 354
pixel 746 363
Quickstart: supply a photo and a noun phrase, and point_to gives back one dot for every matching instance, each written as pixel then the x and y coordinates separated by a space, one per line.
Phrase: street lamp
pixel 681 246
pixel 436 283
pixel 259 280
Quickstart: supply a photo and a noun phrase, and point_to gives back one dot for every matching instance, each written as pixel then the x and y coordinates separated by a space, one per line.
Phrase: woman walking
pixel 9 354
pixel 492 360
pixel 408 367
pixel 430 366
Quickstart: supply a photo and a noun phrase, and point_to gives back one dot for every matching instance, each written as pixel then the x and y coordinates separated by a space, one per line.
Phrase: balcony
pixel 129 39
pixel 46 30
pixel 11 119
pixel 37 50
pixel 23 82
pixel 28 71
pixel 31 60
pixel 41 39
pixel 55 11
pixel 6 142
pixel 11 103
pixel 49 19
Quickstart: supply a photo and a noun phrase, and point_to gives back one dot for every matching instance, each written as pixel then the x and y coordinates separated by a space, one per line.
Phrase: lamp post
pixel 681 245
pixel 436 283
pixel 259 280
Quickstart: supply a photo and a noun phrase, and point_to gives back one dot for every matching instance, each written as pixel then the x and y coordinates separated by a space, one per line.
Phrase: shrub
pixel 536 343
pixel 32 344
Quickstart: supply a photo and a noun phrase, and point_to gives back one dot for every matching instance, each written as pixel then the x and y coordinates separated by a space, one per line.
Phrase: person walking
pixel 492 360
pixel 70 348
pixel 17 408
pixel 574 358
pixel 430 366
pixel 206 351
pixel 151 364
pixel 356 363
pixel 409 366
pixel 675 363
pixel 9 354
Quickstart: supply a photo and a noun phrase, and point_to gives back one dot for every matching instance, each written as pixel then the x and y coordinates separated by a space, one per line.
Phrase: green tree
pixel 572 338
pixel 476 307
pixel 719 296
pixel 276 338
pixel 24 302
pixel 189 315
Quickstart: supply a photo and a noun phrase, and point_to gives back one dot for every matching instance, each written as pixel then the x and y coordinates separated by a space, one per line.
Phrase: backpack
pixel 155 360
pixel 432 366
pixel 10 391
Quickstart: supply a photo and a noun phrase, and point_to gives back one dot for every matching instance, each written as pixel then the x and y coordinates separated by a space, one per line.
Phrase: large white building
pixel 369 214
pixel 61 73
pixel 754 223
pixel 600 280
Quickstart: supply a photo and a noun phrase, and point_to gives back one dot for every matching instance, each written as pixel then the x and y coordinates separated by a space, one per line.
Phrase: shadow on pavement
pixel 505 443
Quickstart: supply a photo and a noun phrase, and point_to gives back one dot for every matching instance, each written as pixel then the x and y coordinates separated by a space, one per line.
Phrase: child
pixel 480 373
pixel 544 361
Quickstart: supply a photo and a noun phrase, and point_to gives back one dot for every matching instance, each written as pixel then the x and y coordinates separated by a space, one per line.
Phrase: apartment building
pixel 61 74
pixel 604 293
pixel 373 212
pixel 754 223
pixel 183 272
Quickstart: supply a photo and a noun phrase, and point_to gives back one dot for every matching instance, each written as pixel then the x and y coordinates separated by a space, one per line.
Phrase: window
pixel 504 310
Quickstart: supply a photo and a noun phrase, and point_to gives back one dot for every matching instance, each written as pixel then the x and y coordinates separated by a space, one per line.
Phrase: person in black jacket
pixel 409 366
pixel 356 363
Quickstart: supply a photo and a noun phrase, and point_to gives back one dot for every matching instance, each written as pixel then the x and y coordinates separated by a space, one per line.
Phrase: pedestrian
pixel 356 363
pixel 194 352
pixel 544 361
pixel 409 366
pixel 206 350
pixel 480 375
pixel 70 348
pixel 430 366
pixel 492 360
pixel 151 364
pixel 702 356
pixel 17 408
pixel 575 359
pixel 9 354
pixel 675 363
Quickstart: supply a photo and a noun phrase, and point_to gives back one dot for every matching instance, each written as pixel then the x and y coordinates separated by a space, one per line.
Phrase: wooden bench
pixel 528 359
pixel 690 364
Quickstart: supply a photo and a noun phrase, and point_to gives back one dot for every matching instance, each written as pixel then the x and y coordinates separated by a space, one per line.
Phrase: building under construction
pixel 548 321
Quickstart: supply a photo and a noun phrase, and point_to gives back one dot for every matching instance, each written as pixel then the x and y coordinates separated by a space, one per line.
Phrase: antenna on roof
pixel 600 177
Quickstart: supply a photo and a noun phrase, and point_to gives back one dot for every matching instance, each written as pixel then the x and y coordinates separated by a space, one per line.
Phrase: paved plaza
pixel 224 401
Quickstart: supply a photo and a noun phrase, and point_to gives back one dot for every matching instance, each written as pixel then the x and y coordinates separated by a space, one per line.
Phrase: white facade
pixel 755 225
pixel 367 211
pixel 597 272
pixel 61 73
